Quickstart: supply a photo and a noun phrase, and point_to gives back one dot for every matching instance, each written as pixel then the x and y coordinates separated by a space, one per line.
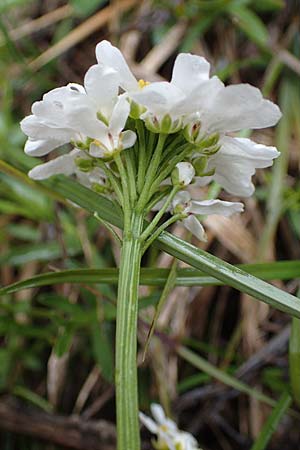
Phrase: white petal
pixel 160 204
pixel 40 147
pixel 83 118
pixel 181 198
pixel 110 56
pixel 186 441
pixel 240 106
pixel 186 172
pixel 49 113
pixel 101 84
pixel 36 130
pixel 158 413
pixel 62 165
pixel 261 154
pixel 128 139
pixel 201 97
pixel 189 71
pixel 216 207
pixel 160 97
pixel 55 103
pixel 236 163
pixel 192 224
pixel 119 116
pixel 149 423
pixel 62 93
pixel 99 149
pixel 202 181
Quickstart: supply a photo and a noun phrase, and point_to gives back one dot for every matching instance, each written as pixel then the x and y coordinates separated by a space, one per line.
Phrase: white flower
pixel 236 107
pixel 48 127
pixel 113 139
pixel 184 204
pixel 67 165
pixel 168 435
pixel 74 113
pixel 168 103
pixel 183 174
pixel 235 163
pixel 110 57
pixel 225 110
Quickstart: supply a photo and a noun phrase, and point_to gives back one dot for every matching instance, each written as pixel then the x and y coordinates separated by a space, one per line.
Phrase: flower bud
pixel 200 165
pixel 191 132
pixel 99 188
pixel 165 125
pixel 84 164
pixel 183 174
pixel 136 110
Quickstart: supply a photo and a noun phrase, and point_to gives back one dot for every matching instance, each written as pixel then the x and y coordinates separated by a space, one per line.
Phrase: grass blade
pixel 170 283
pixel 272 422
pixel 180 249
pixel 218 374
pixel 229 380
pixel 282 270
pixel 294 359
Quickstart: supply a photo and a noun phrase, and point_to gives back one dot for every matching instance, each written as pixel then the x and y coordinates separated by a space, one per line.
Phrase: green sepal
pixel 136 110
pixel 200 165
pixel 85 164
pixel 165 126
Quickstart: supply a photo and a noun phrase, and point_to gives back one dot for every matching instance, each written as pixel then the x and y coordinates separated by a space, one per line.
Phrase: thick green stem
pixel 126 337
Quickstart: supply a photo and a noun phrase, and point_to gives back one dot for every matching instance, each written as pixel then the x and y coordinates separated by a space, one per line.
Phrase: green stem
pixel 125 190
pixel 113 180
pixel 141 155
pixel 160 229
pixel 151 174
pixel 126 337
pixel 130 166
pixel 161 212
pixel 167 169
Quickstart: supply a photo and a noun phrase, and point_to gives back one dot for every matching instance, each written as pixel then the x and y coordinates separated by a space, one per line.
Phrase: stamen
pixel 143 83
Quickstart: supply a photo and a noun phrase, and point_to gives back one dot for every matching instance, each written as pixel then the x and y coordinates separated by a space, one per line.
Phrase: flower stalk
pixel 142 144
pixel 126 336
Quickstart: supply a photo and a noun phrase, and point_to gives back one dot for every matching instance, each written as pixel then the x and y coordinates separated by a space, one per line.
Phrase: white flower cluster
pixel 169 437
pixel 195 111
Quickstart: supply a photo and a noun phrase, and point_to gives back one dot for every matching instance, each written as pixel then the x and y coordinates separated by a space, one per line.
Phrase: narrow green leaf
pixel 64 341
pixel 272 422
pixel 281 270
pixel 84 8
pixel 193 381
pixel 182 250
pixel 268 5
pixel 32 397
pixel 251 25
pixel 294 359
pixel 231 275
pixel 218 374
pixel 47 251
pixel 170 283
pixel 9 4
pixel 102 350
pixel 229 380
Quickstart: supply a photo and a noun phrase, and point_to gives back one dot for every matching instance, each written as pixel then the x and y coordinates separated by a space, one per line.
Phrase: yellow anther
pixel 143 83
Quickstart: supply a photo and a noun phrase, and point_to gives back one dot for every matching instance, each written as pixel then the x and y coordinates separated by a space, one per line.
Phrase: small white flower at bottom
pixel 169 437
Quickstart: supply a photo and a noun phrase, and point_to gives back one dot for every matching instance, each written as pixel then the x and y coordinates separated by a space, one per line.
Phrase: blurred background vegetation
pixel 56 354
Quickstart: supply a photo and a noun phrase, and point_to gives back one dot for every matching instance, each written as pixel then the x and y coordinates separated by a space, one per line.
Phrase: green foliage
pixel 69 302
pixel 84 8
